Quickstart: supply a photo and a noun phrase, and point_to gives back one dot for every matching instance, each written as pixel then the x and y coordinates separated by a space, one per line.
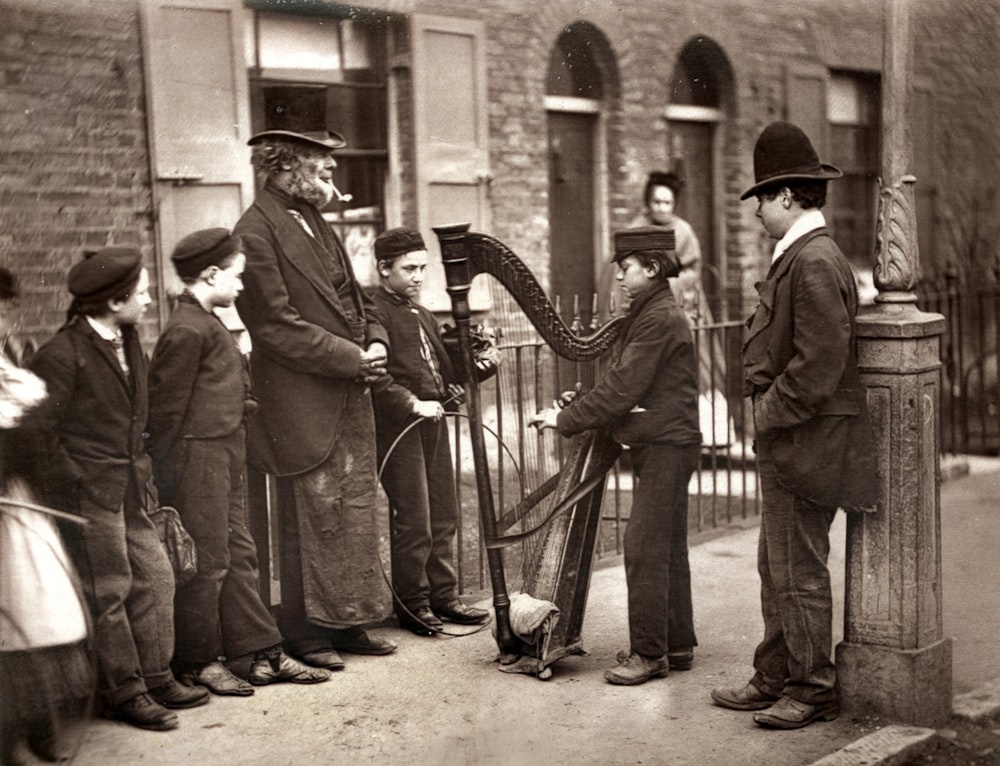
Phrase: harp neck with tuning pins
pixel 540 521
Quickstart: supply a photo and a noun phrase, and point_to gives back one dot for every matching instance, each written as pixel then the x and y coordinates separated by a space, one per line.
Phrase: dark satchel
pixel 176 541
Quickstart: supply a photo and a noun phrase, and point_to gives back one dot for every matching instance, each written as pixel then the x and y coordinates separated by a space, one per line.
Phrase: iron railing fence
pixel 970 347
pixel 723 491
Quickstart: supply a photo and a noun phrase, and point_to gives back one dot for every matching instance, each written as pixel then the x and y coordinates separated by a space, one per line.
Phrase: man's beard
pixel 312 190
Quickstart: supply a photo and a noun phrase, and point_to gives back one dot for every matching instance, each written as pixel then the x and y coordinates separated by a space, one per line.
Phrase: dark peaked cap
pixel 658 240
pixel 394 243
pixel 642 238
pixel 201 249
pixel 105 273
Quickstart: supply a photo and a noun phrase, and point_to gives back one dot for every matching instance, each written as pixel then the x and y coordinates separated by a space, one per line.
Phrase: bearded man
pixel 316 347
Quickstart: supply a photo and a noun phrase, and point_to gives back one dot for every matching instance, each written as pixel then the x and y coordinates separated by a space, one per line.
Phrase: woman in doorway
pixel 660 197
pixel 660 209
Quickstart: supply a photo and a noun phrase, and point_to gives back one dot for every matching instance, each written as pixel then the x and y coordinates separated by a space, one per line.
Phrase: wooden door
pixel 692 152
pixel 571 210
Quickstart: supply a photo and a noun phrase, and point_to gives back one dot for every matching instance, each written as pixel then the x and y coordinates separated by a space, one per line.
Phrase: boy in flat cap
pixel 199 392
pixel 317 347
pixel 94 464
pixel 418 475
pixel 815 448
pixel 648 399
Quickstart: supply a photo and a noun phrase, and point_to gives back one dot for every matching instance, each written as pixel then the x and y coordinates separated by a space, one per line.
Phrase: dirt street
pixel 443 701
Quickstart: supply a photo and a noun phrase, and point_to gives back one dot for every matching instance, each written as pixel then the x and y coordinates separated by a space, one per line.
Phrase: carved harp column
pixel 560 513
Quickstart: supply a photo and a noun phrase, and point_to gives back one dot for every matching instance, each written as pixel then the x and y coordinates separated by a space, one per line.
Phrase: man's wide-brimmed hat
pixel 784 153
pixel 316 139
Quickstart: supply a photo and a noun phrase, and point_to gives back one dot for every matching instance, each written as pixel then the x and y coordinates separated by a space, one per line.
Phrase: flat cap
pixel 392 243
pixel 105 273
pixel 315 139
pixel 201 249
pixel 642 238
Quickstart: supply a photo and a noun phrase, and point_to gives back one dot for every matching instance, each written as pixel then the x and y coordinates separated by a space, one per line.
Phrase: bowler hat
pixel 784 153
pixel 316 139
pixel 392 243
pixel 105 273
pixel 201 249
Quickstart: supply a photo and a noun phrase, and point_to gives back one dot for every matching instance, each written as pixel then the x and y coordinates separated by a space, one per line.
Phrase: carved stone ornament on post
pixel 897 259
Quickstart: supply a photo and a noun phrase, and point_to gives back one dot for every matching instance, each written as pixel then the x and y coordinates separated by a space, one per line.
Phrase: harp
pixel 555 513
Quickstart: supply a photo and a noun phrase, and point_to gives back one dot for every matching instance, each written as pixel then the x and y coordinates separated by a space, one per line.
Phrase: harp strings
pixel 530 376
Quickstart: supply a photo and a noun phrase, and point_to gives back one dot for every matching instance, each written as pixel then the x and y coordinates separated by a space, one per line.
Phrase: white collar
pixel 808 221
pixel 103 330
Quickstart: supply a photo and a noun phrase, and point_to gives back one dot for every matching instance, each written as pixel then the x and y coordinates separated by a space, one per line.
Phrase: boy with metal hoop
pixel 417 474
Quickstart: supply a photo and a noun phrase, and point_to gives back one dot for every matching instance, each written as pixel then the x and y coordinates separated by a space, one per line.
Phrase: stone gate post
pixel 894 660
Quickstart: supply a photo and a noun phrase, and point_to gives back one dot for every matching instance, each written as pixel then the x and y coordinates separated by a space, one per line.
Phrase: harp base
pixel 527 664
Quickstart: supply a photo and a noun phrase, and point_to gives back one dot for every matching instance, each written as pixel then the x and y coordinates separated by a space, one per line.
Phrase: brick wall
pixel 73 158
pixel 958 50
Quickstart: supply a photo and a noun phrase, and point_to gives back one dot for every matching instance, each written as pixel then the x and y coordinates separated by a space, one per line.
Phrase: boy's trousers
pixel 795 656
pixel 129 585
pixel 419 480
pixel 657 571
pixel 218 613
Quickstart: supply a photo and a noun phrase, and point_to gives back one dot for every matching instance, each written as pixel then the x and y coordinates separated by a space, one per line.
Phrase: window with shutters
pixel 325 69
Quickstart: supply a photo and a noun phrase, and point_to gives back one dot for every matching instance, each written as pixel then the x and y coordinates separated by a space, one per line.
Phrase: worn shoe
pixel 423 622
pixel 461 614
pixel 788 713
pixel 681 659
pixel 143 712
pixel 747 697
pixel 218 679
pixel 634 669
pixel 357 641
pixel 263 673
pixel 322 658
pixel 177 696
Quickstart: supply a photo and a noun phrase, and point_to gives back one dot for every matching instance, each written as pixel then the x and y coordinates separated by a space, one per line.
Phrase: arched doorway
pixel 574 109
pixel 700 90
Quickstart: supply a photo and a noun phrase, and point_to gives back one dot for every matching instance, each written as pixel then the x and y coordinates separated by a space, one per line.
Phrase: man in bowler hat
pixel 814 443
pixel 317 345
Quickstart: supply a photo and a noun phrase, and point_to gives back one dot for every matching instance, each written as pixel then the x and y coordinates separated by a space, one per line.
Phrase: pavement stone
pixel 979 704
pixel 442 701
pixel 889 746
